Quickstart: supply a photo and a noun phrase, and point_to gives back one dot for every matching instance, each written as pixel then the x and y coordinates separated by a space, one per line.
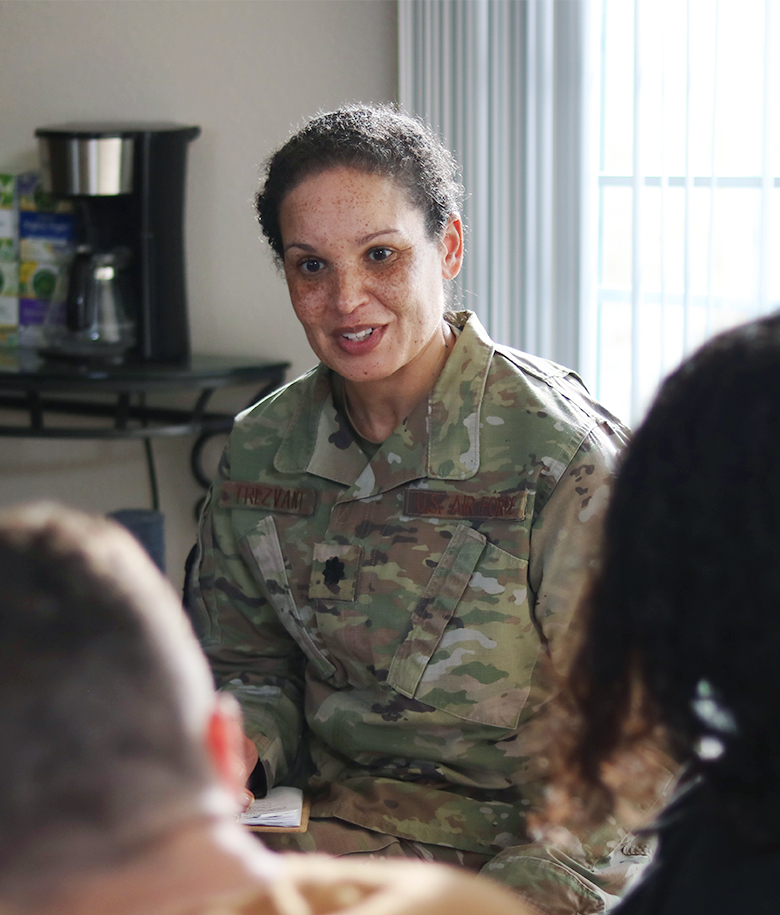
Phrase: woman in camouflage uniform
pixel 391 555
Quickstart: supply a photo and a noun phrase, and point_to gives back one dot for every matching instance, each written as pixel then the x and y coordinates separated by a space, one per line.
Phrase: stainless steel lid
pixel 95 166
pixel 95 159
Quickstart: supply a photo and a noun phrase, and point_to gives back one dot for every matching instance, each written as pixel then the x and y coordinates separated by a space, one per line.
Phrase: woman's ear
pixel 452 248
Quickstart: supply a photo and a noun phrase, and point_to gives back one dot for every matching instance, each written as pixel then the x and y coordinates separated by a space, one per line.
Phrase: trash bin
pixel 148 527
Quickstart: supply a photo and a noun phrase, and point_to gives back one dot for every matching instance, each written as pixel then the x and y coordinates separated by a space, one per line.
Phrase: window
pixel 688 185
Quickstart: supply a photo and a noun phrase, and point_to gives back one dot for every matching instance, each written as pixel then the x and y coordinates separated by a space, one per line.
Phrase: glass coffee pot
pixel 88 317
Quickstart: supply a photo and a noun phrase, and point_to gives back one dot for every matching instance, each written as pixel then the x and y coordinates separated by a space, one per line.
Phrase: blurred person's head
pixel 106 702
pixel 683 622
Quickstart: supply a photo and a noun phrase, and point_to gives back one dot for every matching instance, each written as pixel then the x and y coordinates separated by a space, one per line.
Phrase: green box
pixel 8 217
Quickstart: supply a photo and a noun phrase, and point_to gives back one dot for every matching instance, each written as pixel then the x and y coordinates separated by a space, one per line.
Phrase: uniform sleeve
pixel 250 653
pixel 565 544
pixel 566 537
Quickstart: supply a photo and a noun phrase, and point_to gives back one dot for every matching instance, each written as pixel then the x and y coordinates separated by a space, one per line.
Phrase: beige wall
pixel 246 71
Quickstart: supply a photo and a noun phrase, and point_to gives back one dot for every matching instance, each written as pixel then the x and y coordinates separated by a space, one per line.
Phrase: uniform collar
pixel 439 439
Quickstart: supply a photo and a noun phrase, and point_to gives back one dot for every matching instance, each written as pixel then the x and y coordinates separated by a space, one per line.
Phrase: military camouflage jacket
pixel 390 614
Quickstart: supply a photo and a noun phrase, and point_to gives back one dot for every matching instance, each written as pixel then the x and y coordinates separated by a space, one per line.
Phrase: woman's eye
pixel 379 254
pixel 311 265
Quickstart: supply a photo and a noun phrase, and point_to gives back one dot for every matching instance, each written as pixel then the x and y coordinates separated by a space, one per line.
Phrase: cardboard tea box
pixel 9 262
pixel 46 233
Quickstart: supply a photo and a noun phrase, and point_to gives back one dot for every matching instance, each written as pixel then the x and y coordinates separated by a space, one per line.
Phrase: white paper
pixel 282 806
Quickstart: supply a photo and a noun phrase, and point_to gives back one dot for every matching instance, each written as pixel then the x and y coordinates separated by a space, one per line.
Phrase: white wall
pixel 245 71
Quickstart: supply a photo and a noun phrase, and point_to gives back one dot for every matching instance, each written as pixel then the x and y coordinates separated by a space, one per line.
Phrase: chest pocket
pixel 261 548
pixel 471 645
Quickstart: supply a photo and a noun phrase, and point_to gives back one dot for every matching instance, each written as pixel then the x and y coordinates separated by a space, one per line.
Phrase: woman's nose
pixel 350 289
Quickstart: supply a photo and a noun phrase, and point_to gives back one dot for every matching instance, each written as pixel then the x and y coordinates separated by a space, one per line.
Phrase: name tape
pixel 432 504
pixel 268 498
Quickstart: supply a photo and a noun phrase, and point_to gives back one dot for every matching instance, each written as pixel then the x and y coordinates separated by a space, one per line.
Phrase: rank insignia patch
pixel 334 572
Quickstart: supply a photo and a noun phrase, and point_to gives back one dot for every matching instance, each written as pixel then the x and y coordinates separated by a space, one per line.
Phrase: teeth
pixel 360 335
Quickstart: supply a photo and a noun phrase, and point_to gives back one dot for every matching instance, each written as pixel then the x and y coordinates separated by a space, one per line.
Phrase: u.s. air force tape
pixel 268 498
pixel 429 503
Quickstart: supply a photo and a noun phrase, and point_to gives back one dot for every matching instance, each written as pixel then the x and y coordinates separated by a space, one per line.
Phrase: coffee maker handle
pixel 77 297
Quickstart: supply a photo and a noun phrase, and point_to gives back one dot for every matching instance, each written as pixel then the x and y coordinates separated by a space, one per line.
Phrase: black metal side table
pixel 42 388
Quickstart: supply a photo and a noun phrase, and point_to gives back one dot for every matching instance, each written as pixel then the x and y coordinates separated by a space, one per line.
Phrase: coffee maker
pixel 125 294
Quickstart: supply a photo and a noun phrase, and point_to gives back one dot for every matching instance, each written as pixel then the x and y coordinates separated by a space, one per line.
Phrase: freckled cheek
pixel 309 305
pixel 395 288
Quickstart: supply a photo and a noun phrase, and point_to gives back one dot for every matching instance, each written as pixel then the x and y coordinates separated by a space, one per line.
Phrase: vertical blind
pixel 503 85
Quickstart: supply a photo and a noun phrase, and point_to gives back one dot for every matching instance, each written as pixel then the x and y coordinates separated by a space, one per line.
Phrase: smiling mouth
pixel 359 335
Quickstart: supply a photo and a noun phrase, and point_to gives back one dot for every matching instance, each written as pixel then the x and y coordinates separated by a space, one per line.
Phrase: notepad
pixel 282 808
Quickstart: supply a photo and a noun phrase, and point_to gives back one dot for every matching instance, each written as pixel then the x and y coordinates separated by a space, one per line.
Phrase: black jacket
pixel 700 868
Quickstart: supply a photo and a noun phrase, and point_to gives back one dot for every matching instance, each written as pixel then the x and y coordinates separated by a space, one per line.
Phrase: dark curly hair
pixel 686 610
pixel 378 139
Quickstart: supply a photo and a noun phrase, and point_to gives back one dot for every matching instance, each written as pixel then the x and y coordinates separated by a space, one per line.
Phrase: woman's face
pixel 365 279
